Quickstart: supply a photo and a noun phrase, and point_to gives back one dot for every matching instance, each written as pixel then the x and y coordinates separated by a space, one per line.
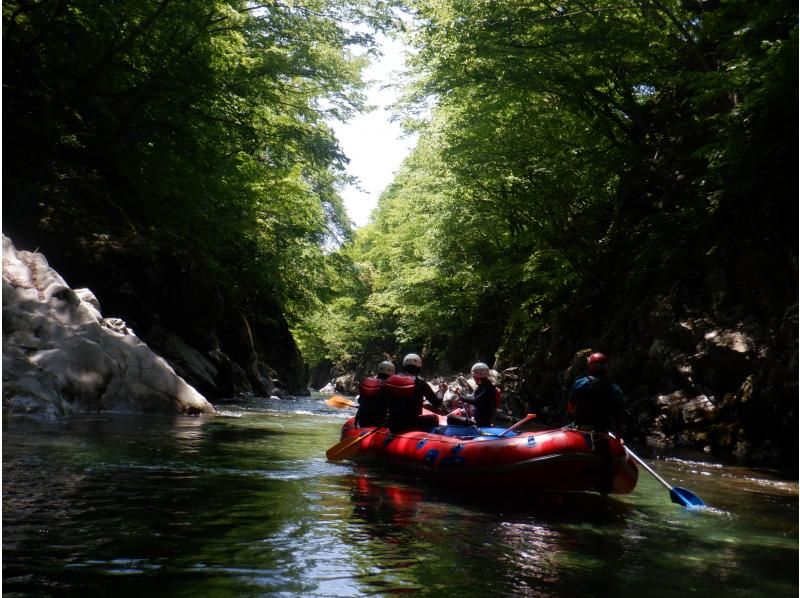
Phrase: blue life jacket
pixel 595 402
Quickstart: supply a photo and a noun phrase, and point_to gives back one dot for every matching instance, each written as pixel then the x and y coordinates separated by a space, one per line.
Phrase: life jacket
pixel 371 406
pixel 593 402
pixel 399 391
pixel 370 388
pixel 400 386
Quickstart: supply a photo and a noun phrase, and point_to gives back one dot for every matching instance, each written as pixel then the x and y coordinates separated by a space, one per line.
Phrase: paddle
pixel 349 446
pixel 524 420
pixel 678 495
pixel 340 402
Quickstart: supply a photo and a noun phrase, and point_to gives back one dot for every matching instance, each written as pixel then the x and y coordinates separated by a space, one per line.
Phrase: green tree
pixel 198 126
pixel 581 157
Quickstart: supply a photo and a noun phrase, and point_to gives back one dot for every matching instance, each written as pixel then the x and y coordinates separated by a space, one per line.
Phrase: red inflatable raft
pixel 561 460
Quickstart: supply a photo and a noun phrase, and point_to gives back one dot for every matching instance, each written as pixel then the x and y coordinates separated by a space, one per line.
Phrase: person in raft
pixel 483 400
pixel 595 402
pixel 404 394
pixel 372 409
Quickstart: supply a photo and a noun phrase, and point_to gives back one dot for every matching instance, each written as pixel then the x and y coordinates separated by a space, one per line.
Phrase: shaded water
pixel 245 504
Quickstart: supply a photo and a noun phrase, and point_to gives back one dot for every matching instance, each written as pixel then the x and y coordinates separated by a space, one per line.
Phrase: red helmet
pixel 598 363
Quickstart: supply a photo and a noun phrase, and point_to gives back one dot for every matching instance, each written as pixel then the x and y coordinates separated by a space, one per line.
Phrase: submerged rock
pixel 60 355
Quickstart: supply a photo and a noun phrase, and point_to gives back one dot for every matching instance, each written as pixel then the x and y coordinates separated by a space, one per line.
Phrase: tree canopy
pixel 201 126
pixel 577 157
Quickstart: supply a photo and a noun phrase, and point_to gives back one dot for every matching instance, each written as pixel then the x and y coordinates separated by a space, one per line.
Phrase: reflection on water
pixel 246 504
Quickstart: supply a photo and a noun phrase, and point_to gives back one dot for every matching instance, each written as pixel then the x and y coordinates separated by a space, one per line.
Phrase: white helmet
pixel 412 359
pixel 386 368
pixel 480 370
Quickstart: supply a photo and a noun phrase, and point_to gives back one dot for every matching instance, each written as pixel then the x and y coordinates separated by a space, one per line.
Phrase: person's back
pixel 595 402
pixel 405 393
pixel 372 408
pixel 402 399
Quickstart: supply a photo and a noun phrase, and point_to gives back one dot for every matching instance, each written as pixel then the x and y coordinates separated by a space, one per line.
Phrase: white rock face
pixel 61 356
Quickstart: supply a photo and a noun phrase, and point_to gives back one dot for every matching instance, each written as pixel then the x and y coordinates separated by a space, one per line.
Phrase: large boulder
pixel 222 337
pixel 60 355
pixel 346 384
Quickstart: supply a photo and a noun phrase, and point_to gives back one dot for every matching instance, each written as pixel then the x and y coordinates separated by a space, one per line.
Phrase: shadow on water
pixel 509 545
pixel 569 543
pixel 218 433
pixel 404 492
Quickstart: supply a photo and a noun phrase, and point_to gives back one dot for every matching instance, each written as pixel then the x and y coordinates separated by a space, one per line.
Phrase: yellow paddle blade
pixel 343 450
pixel 347 447
pixel 340 402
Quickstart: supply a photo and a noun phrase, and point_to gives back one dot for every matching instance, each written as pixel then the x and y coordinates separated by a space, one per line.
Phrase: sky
pixel 375 146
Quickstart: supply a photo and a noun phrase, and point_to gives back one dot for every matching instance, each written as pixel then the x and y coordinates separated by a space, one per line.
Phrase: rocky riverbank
pixel 61 354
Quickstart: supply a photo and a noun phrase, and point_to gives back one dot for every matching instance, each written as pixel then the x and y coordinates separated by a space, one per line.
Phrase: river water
pixel 245 504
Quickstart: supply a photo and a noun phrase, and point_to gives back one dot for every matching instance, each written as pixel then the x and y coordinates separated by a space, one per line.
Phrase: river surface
pixel 245 504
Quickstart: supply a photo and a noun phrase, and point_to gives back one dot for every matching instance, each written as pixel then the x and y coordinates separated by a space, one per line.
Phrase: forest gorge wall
pixel 711 368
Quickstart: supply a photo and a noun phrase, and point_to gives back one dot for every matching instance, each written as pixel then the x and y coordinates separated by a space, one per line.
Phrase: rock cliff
pixel 60 355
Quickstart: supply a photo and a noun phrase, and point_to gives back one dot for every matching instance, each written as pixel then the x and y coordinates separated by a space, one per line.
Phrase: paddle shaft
pixel 524 420
pixel 649 469
pixel 641 462
pixel 681 496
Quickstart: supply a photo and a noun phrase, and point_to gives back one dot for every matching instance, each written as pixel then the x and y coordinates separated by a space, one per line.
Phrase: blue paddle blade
pixel 685 498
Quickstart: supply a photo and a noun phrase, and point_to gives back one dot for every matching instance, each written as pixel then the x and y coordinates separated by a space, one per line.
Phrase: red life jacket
pixel 404 407
pixel 370 388
pixel 400 386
